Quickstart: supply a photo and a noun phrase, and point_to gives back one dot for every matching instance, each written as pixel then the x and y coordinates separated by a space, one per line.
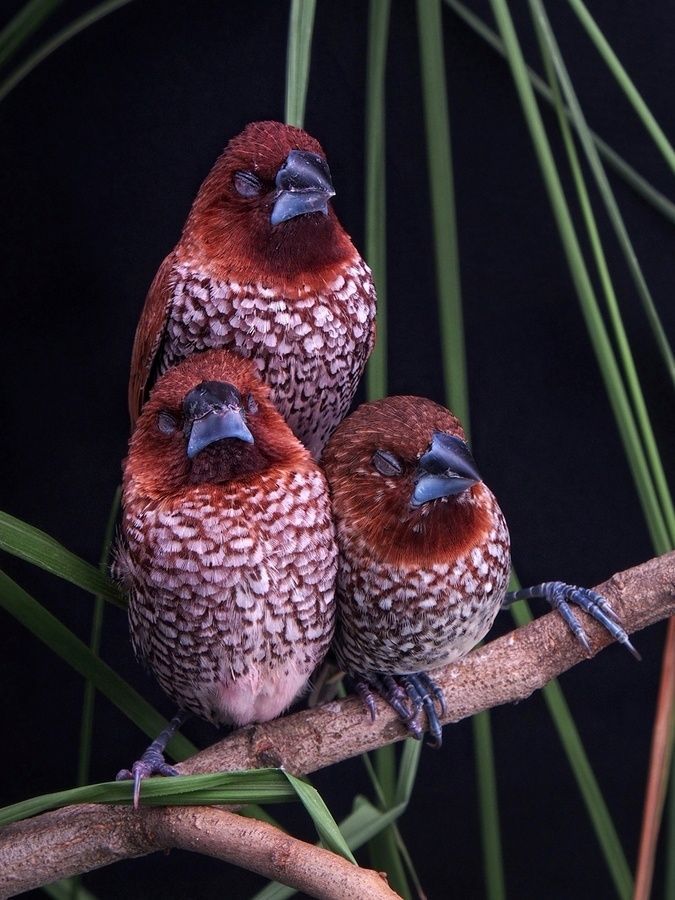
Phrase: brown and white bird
pixel 227 550
pixel 424 554
pixel 265 269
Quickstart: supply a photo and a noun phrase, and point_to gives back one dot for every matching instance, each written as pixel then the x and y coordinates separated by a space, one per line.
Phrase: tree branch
pixel 81 838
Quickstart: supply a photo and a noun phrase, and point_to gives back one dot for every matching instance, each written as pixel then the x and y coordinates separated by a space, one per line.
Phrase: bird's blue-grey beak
pixel 303 186
pixel 445 470
pixel 214 411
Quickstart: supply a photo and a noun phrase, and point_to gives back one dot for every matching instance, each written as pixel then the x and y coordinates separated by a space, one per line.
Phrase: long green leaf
pixel 298 53
pixel 376 188
pixel 581 768
pixel 20 27
pixel 67 889
pixel 62 37
pixel 454 359
pixel 555 65
pixel 495 883
pixel 633 178
pixel 38 548
pixel 583 285
pixel 254 786
pixel 324 822
pixel 442 193
pixel 75 652
pixel 88 701
pixel 624 81
pixel 384 850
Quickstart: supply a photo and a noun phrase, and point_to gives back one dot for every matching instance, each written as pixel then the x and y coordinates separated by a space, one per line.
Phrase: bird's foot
pixel 407 695
pixel 151 763
pixel 562 596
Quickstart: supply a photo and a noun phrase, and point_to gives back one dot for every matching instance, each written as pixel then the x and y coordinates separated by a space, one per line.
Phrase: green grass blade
pixel 454 359
pixel 400 797
pixel 489 811
pixel 67 889
pixel 23 24
pixel 75 652
pixel 38 548
pixel 87 722
pixel 325 824
pixel 624 81
pixel 554 62
pixel 383 848
pixel 441 192
pixel 62 37
pixel 590 791
pixel 254 786
pixel 298 53
pixel 589 305
pixel 376 189
pixel 633 178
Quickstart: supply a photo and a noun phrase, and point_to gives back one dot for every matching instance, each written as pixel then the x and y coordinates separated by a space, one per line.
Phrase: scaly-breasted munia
pixel 265 269
pixel 227 548
pixel 424 554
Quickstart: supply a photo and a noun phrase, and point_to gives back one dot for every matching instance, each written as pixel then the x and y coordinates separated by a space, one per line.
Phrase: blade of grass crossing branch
pixel 325 824
pixel 357 828
pixel 439 154
pixel 376 203
pixel 254 785
pixel 62 37
pixel 298 52
pixel 624 81
pixel 43 625
pixel 87 726
pixel 633 178
pixel 38 548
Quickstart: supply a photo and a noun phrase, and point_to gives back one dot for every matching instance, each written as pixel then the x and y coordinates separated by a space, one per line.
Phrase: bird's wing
pixel 149 336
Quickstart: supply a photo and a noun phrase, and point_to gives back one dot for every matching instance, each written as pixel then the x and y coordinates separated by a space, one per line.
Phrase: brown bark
pixel 80 838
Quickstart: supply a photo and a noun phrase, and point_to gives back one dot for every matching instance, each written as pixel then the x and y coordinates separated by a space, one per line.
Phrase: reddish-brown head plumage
pixel 158 465
pixel 227 547
pixel 235 231
pixel 420 580
pixel 379 508
pixel 264 268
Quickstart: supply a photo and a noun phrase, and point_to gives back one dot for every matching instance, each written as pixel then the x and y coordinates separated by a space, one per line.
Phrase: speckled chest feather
pixel 416 617
pixel 310 345
pixel 232 592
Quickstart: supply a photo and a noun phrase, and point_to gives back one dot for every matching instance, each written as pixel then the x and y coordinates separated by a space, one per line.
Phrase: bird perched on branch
pixel 227 550
pixel 424 555
pixel 265 269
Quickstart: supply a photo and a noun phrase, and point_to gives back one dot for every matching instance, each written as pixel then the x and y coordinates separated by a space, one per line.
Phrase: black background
pixel 103 148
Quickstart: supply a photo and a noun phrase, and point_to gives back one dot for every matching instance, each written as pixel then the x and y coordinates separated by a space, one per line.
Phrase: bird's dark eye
pixel 247 184
pixel 387 464
pixel 251 405
pixel 166 422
